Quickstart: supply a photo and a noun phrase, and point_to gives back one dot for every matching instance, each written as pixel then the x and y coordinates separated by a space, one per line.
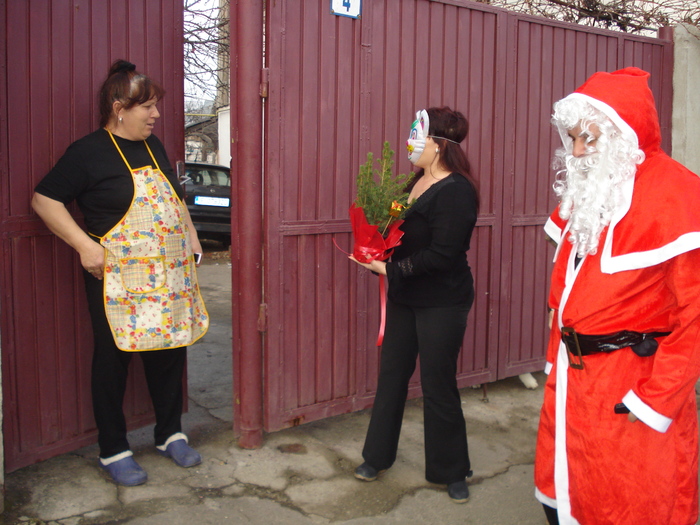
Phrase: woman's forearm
pixel 56 216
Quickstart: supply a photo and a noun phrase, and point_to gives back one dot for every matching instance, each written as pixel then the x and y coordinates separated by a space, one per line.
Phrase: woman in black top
pixel 100 172
pixel 429 296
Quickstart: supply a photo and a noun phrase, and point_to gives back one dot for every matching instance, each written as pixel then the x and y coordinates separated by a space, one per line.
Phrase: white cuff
pixel 645 413
pixel 552 230
pixel 548 367
pixel 174 437
pixel 116 457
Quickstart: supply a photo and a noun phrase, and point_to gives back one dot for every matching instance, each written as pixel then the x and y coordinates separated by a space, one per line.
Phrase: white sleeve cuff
pixel 552 230
pixel 645 413
pixel 548 367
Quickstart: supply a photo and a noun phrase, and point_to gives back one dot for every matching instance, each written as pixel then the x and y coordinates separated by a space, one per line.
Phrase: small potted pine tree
pixel 376 213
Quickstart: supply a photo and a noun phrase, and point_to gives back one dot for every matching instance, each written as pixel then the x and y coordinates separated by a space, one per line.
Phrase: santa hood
pixel 659 217
pixel 625 98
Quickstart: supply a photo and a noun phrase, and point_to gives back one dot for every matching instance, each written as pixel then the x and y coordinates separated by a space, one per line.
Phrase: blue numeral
pixel 346 4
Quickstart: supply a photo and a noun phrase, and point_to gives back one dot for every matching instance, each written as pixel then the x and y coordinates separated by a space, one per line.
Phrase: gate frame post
pixel 246 30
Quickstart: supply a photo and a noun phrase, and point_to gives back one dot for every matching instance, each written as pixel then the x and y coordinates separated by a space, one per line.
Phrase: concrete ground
pixel 302 475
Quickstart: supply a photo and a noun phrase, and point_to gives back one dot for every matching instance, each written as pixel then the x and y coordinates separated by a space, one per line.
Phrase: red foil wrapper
pixel 370 244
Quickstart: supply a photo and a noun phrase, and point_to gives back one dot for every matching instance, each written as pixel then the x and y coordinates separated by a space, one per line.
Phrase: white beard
pixel 590 186
pixel 591 193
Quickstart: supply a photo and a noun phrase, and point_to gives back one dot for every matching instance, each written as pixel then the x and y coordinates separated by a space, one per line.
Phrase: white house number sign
pixel 351 8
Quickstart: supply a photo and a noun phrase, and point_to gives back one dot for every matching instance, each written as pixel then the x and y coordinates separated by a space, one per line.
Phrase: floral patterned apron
pixel 151 294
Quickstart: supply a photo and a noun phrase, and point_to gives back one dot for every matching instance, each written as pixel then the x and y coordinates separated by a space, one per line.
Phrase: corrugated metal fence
pixel 53 57
pixel 338 88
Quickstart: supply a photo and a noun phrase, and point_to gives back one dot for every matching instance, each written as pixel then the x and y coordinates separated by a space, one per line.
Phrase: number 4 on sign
pixel 351 8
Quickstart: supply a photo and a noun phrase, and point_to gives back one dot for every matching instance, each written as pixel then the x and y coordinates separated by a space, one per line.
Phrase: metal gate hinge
pixel 264 82
pixel 262 318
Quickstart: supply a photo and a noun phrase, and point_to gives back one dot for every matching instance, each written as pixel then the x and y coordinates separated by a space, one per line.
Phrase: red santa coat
pixel 593 465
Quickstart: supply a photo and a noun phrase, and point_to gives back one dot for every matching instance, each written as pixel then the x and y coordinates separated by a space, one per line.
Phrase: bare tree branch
pixel 206 49
pixel 634 16
pixel 206 37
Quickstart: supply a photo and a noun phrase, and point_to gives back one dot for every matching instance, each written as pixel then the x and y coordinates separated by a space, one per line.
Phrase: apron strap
pixel 152 156
pixel 124 158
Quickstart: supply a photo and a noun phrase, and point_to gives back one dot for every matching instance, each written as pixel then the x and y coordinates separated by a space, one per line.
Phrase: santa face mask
pixel 416 139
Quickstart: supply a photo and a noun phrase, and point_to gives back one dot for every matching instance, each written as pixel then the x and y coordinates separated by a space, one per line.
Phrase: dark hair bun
pixel 121 66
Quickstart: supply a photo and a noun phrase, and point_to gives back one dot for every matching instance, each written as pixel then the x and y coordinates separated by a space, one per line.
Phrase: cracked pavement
pixel 301 475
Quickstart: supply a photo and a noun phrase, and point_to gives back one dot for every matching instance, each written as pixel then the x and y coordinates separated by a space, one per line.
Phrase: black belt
pixel 579 345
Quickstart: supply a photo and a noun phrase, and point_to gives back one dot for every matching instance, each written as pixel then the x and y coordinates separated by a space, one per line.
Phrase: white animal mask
pixel 416 139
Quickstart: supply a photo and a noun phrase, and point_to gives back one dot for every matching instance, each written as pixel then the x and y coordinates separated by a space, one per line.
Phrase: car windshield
pixel 208 177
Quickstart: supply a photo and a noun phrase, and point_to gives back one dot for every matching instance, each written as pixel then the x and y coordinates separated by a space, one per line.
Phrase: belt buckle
pixel 570 353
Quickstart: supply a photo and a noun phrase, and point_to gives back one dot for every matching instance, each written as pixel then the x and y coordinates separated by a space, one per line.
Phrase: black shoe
pixel 367 472
pixel 458 491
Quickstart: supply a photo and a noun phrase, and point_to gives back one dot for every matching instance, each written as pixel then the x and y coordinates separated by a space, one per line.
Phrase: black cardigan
pixel 430 268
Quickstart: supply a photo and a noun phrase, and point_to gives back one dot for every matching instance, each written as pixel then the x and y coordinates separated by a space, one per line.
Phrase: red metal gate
pixel 53 58
pixel 544 62
pixel 339 87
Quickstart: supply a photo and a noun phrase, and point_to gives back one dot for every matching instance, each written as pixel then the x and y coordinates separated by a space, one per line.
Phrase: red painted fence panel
pixel 53 57
pixel 338 88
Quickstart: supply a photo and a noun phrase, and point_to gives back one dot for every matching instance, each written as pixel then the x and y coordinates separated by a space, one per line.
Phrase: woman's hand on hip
pixel 92 257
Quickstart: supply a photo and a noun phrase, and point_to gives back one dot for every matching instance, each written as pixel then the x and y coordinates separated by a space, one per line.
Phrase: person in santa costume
pixel 618 433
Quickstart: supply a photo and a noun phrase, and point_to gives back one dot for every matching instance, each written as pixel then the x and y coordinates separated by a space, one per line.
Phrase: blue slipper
pixel 182 453
pixel 125 471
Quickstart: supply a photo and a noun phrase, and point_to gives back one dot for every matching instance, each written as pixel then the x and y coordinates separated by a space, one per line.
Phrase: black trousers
pixel 164 371
pixel 435 336
pixel 551 514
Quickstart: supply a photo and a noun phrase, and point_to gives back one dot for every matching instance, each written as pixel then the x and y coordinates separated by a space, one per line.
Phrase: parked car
pixel 208 198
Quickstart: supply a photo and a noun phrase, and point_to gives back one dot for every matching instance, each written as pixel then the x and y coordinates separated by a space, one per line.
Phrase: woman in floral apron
pixel 139 273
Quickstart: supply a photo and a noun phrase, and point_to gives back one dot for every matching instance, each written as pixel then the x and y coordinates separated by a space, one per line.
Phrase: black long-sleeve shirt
pixel 430 266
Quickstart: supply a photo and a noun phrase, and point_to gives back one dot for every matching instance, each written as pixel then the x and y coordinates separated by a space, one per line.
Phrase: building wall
pixel 224 118
pixel 686 102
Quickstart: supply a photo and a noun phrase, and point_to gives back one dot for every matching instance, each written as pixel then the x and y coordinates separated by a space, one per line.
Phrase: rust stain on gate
pixel 338 88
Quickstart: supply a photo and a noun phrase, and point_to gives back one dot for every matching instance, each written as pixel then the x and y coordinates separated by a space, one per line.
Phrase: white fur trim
pixel 116 457
pixel 545 500
pixel 561 460
pixel 625 128
pixel 636 260
pixel 645 413
pixel 174 437
pixel 548 367
pixel 554 231
pixel 561 240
